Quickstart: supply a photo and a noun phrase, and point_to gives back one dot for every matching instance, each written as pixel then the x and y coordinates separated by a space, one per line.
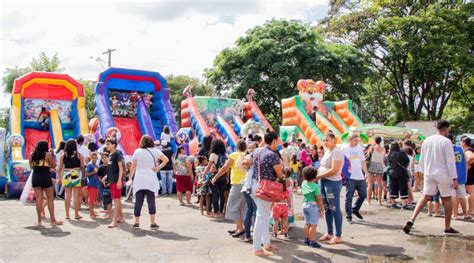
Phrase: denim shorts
pixel 311 213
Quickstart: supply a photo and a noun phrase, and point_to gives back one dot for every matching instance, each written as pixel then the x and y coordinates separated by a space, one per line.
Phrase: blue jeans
pixel 251 209
pixel 166 182
pixel 331 191
pixel 361 188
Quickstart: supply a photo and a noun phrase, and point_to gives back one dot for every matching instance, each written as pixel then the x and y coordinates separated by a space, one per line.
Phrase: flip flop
pixel 57 223
pixel 262 253
pixel 334 241
pixel 270 248
pixel 112 226
pixel 325 237
pixel 78 217
pixel 467 217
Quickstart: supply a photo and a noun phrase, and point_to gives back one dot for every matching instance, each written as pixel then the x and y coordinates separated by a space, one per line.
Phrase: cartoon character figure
pixel 134 96
pixel 148 100
pixel 114 132
pixel 16 140
pixel 250 94
pixel 311 91
pixel 187 92
pixel 114 105
pixel 126 106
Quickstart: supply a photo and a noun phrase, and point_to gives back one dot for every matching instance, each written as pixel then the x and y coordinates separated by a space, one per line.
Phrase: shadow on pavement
pixel 84 224
pixel 140 232
pixel 49 232
pixel 378 225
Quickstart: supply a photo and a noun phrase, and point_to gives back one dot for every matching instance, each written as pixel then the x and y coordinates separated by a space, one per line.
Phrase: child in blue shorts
pixel 313 207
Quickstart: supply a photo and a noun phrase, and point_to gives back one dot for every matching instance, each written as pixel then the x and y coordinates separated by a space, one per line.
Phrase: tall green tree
pixel 42 63
pixel 422 49
pixel 272 58
pixel 176 85
pixel 89 95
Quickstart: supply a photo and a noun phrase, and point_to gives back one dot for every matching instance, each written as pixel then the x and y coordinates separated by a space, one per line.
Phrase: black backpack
pixel 221 160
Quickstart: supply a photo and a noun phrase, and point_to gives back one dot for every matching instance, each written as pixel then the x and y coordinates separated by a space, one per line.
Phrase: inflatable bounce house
pixel 63 97
pixel 223 118
pixel 130 103
pixel 335 116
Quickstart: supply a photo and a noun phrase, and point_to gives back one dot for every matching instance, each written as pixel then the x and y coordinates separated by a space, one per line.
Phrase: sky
pixel 171 37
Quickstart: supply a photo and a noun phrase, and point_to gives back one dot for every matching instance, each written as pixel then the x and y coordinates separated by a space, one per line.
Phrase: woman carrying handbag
pixel 268 170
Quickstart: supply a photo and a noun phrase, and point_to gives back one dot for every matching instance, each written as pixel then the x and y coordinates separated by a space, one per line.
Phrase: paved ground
pixel 186 236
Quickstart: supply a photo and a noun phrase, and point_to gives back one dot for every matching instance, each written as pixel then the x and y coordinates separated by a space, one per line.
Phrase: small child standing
pixel 92 183
pixel 166 135
pixel 313 207
pixel 201 188
pixel 106 195
pixel 434 201
pixel 280 210
pixel 295 167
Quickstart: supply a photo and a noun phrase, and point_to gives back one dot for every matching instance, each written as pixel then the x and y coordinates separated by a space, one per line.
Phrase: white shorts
pixel 434 183
pixel 460 192
pixel 417 168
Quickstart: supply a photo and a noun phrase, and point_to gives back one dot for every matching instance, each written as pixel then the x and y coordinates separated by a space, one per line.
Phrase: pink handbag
pixel 270 191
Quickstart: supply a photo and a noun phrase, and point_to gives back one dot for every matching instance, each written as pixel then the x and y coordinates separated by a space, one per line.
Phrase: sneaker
pixel 356 213
pixel 285 236
pixel 154 226
pixel 405 207
pixel 307 242
pixel 275 235
pixel 408 225
pixel 393 206
pixel 452 231
pixel 315 244
pixel 349 220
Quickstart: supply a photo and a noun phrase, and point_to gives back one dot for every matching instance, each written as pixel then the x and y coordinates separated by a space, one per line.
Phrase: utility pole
pixel 109 52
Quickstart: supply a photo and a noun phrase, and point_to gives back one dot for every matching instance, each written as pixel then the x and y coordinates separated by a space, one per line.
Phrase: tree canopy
pixel 42 63
pixel 422 50
pixel 271 59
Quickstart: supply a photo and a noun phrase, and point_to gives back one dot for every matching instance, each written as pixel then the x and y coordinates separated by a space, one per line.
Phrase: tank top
pixel 71 162
pixel 41 168
pixel 377 157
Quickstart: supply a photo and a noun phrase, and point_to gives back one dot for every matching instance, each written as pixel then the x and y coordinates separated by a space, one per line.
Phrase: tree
pixel 176 85
pixel 459 109
pixel 423 50
pixel 5 118
pixel 89 95
pixel 273 57
pixel 10 74
pixel 42 63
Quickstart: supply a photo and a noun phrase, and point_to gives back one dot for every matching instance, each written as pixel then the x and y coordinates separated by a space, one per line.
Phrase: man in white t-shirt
pixel 438 166
pixel 354 152
pixel 82 149
pixel 285 155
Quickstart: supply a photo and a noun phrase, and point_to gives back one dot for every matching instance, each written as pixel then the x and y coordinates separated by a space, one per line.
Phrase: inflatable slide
pixel 308 117
pixel 63 98
pixel 223 118
pixel 132 102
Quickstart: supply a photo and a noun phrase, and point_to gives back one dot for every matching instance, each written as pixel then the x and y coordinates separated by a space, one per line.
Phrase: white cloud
pixel 171 37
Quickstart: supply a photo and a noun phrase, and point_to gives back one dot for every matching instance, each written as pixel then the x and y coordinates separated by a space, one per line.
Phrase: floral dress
pixel 201 188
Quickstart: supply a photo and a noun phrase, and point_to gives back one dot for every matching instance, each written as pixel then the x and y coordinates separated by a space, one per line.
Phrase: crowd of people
pixel 229 185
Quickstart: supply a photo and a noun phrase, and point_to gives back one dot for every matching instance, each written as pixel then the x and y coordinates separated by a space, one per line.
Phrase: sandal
pixel 270 248
pixel 78 217
pixel 112 225
pixel 467 217
pixel 325 237
pixel 262 253
pixel 57 223
pixel 335 240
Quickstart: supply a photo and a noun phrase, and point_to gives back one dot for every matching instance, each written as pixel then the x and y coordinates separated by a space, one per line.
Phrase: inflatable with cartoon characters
pixel 307 117
pixel 223 118
pixel 64 102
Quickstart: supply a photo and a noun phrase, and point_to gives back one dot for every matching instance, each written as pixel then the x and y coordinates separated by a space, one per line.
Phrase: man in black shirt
pixel 167 171
pixel 115 173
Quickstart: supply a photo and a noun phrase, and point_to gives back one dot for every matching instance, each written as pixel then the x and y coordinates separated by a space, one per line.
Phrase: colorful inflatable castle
pixel 308 117
pixel 130 103
pixel 59 94
pixel 224 118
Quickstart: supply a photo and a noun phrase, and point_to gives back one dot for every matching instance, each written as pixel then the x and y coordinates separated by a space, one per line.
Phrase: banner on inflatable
pixel 33 109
